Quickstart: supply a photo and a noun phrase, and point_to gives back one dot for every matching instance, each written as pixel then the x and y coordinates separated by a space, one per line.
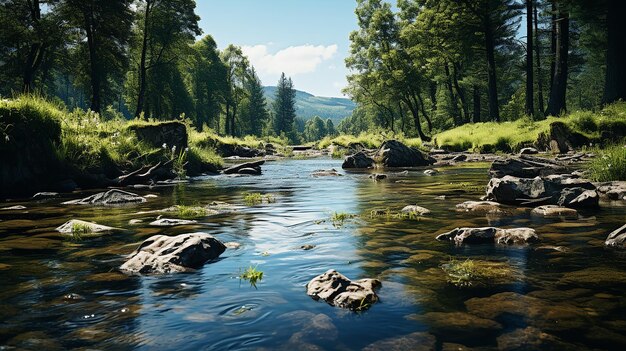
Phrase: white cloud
pixel 292 60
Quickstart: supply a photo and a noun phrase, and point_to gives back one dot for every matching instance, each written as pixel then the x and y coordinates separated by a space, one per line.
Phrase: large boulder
pixel 358 160
pixel 560 139
pixel 171 254
pixel 170 134
pixel 525 167
pixel 617 238
pixel 111 197
pixel 337 290
pixel 393 153
pixel 514 236
pixel 551 190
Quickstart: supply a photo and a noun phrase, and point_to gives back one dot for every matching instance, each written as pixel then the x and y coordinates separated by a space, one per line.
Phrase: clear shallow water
pixel 567 299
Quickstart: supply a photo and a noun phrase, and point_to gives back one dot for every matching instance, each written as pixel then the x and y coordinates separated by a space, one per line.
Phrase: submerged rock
pixel 326 173
pixel 76 226
pixel 378 177
pixel 415 210
pixel 514 236
pixel 456 323
pixel 482 207
pixel 393 153
pixel 14 208
pixel 167 254
pixel 554 211
pixel 617 238
pixel 531 338
pixel 111 197
pixel 418 341
pixel 337 290
pixel 358 160
pixel 430 172
pixel 171 222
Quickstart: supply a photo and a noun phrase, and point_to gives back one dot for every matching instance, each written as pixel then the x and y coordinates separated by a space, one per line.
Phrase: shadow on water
pixel 60 294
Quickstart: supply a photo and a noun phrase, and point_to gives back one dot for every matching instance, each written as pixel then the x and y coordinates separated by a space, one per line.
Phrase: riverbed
pixel 58 293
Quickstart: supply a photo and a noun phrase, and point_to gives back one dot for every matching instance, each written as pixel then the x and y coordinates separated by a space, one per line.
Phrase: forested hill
pixel 308 105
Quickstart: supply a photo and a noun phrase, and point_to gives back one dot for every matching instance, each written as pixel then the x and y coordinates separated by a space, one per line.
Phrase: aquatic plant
pixel 252 274
pixel 338 218
pixel 473 273
pixel 389 214
pixel 188 212
pixel 80 229
pixel 252 199
pixel 609 165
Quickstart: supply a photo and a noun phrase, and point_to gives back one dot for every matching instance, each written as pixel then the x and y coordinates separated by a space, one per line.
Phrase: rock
pixel 481 207
pixel 167 254
pixel 434 151
pixel 540 191
pixel 378 177
pixel 531 338
pixel 418 341
pixel 170 134
pixel 45 195
pixel 525 167
pixel 337 290
pixel 528 151
pixel 617 238
pixel 613 190
pixel 459 158
pixel 554 211
pixel 250 171
pixel 307 247
pixel 232 245
pixel 135 221
pixel 416 210
pixel 430 172
pixel 560 139
pixel 393 153
pixel 234 150
pixel 326 173
pixel 358 160
pixel 171 222
pixel 455 323
pixel 514 236
pixel 14 208
pixel 595 277
pixel 84 228
pixel 111 197
pixel 235 169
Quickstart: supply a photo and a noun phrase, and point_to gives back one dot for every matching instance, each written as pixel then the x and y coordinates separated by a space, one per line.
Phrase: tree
pixel 256 112
pixel 237 70
pixel 558 86
pixel 284 106
pixel 314 129
pixel 615 82
pixel 165 28
pixel 530 108
pixel 330 127
pixel 106 26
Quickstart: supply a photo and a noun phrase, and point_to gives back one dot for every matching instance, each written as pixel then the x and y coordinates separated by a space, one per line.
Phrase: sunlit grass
pixel 252 199
pixel 190 212
pixel 388 214
pixel 79 230
pixel 609 164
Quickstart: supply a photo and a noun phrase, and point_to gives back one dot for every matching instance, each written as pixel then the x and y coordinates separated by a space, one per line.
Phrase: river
pixel 60 294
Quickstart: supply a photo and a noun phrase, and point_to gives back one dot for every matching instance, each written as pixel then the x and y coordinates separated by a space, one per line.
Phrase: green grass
pixel 511 136
pixel 474 273
pixel 253 275
pixel 252 199
pixel 79 230
pixel 339 218
pixel 190 212
pixel 388 214
pixel 371 140
pixel 609 165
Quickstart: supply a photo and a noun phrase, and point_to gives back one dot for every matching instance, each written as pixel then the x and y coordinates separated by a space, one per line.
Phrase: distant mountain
pixel 309 106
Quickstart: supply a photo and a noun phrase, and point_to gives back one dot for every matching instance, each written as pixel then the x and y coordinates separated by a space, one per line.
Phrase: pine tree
pixel 257 106
pixel 284 106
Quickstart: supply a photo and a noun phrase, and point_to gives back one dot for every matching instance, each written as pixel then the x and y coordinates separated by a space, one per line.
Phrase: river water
pixel 60 294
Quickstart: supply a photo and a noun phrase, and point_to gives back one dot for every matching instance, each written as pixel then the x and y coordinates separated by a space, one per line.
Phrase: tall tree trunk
pixel 615 82
pixel 476 101
pixel 557 103
pixel 530 108
pixel 553 15
pixel 538 55
pixel 429 123
pixel 93 64
pixel 227 120
pixel 453 103
pixel 432 91
pixel 35 52
pixel 142 61
pixel 460 93
pixel 416 119
pixel 494 110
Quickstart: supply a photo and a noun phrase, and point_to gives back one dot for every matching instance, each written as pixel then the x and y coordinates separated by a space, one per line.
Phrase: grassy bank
pixel 511 136
pixel 371 140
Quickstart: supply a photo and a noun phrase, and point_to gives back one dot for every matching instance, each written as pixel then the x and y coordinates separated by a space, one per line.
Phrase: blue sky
pixel 308 40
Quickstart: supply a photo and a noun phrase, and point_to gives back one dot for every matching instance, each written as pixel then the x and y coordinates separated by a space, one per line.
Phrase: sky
pixel 308 40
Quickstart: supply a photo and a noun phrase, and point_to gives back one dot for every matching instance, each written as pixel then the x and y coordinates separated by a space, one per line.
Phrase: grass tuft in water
pixel 190 212
pixel 474 273
pixel 252 274
pixel 609 165
pixel 252 199
pixel 388 214
pixel 80 229
pixel 339 218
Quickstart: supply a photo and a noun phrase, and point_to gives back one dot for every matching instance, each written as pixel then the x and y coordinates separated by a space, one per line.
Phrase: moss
pixel 190 212
pixel 474 273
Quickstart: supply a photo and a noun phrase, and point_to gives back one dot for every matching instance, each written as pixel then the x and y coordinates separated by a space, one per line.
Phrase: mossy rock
pixel 170 134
